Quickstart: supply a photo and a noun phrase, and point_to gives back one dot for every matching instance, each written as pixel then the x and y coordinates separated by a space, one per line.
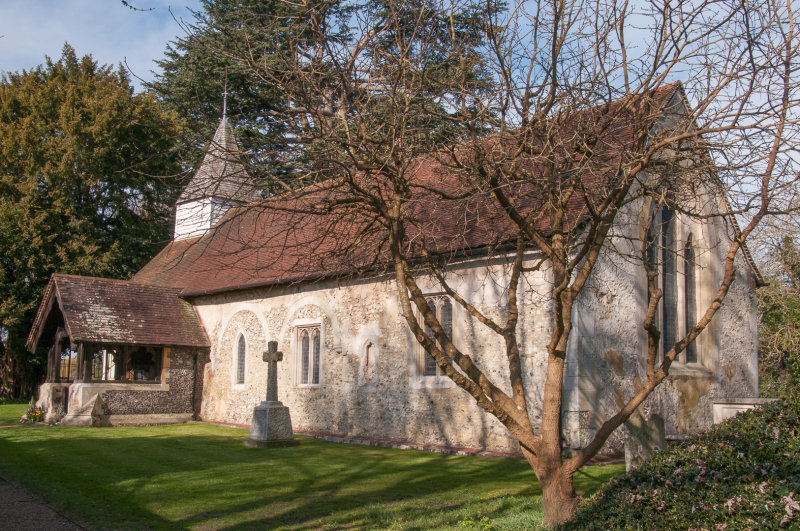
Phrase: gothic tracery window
pixel 689 296
pixel 669 307
pixel 442 306
pixel 677 309
pixel 309 342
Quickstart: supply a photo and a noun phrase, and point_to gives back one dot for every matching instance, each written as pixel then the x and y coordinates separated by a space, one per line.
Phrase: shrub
pixel 741 474
pixel 34 414
pixel 4 400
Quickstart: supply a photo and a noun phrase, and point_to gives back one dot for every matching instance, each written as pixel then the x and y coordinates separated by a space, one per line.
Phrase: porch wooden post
pixel 86 352
pixel 80 365
pixel 87 349
pixel 52 363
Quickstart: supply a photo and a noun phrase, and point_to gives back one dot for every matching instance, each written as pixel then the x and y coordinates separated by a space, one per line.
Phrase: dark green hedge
pixel 741 474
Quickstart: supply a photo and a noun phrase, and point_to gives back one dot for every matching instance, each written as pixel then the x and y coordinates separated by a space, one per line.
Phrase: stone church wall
pixel 606 359
pixel 369 389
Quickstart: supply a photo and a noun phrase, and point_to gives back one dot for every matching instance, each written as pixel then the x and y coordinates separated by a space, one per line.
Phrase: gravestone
pixel 272 424
pixel 643 438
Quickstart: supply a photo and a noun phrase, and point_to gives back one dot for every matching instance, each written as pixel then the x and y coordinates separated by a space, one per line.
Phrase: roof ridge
pixel 56 276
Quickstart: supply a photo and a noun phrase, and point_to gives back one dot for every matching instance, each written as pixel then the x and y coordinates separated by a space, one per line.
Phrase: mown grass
pixel 201 476
pixel 11 413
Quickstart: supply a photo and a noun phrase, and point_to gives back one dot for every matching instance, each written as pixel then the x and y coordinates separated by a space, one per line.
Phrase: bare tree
pixel 446 130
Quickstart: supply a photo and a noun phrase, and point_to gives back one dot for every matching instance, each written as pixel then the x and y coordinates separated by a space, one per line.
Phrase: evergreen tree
pixel 88 177
pixel 245 42
pixel 199 67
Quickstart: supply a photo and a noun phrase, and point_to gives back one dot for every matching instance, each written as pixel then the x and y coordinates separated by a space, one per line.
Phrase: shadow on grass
pixel 202 476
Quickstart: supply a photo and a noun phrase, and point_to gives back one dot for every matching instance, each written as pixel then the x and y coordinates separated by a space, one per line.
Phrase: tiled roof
pixel 221 173
pixel 268 242
pixel 292 238
pixel 102 310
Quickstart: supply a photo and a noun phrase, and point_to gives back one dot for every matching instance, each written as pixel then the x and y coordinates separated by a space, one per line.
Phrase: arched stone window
pixel 677 309
pixel 241 355
pixel 442 306
pixel 689 297
pixel 370 369
pixel 309 340
pixel 669 308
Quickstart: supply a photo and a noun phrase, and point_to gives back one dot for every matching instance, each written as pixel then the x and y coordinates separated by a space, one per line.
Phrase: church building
pixel 183 339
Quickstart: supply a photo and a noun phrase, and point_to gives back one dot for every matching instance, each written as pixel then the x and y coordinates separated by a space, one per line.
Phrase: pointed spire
pixel 225 96
pixel 221 182
pixel 221 174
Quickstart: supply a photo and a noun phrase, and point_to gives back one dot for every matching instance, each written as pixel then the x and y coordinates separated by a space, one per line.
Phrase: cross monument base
pixel 271 426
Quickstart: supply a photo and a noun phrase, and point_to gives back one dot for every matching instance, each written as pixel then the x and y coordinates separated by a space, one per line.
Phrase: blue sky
pixel 107 29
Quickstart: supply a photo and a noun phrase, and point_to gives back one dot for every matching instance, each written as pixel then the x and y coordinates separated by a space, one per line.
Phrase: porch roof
pixel 102 310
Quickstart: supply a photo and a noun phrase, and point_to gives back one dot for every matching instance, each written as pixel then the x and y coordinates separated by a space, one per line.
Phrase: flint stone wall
pixel 607 354
pixel 174 395
pixel 384 400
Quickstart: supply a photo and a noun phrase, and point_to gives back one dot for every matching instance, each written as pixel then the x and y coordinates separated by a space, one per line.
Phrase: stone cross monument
pixel 272 424
pixel 272 356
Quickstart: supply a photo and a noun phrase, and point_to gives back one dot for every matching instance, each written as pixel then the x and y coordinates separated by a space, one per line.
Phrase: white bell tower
pixel 221 182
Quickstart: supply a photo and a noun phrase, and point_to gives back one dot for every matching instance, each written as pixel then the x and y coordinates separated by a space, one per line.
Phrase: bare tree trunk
pixel 6 373
pixel 18 377
pixel 558 499
pixel 558 493
pixel 10 378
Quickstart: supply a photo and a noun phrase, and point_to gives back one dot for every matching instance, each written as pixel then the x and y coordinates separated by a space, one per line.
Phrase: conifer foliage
pixel 88 175
pixel 201 65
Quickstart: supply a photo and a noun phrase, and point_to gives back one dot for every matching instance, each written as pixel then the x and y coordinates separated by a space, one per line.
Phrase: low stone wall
pixel 725 409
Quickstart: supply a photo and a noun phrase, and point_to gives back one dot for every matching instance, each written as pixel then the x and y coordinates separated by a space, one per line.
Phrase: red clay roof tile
pixel 290 238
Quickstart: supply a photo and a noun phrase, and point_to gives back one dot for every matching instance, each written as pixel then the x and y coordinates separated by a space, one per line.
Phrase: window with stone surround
pixel 442 306
pixel 689 299
pixel 241 356
pixel 676 277
pixel 309 343
pixel 368 365
pixel 669 274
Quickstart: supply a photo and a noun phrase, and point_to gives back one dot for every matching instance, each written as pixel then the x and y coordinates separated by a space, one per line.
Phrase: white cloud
pixel 106 29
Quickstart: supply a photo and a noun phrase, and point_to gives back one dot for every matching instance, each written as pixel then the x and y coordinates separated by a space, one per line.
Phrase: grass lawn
pixel 201 476
pixel 10 413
